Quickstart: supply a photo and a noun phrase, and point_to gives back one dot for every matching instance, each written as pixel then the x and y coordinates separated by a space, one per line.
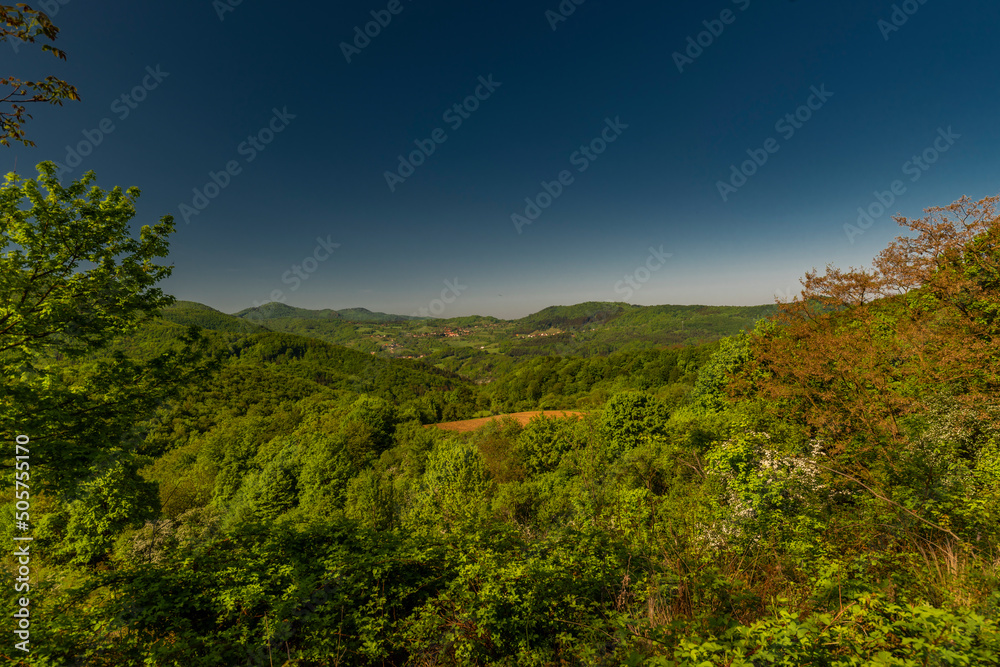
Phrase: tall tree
pixel 72 279
pixel 862 348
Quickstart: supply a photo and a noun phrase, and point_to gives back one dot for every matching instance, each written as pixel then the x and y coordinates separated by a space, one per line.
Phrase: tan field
pixel 523 417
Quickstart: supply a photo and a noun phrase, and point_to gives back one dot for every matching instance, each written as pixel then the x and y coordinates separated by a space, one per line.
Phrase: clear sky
pixel 623 132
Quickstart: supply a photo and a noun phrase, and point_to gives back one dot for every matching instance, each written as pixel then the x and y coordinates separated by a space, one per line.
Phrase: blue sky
pixel 300 131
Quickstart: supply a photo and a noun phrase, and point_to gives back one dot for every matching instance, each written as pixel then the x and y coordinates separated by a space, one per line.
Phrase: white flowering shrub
pixel 761 487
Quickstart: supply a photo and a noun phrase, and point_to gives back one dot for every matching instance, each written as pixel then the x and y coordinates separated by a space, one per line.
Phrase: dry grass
pixel 467 425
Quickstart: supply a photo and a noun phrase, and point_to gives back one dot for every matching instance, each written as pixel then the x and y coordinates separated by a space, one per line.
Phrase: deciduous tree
pixel 21 22
pixel 72 279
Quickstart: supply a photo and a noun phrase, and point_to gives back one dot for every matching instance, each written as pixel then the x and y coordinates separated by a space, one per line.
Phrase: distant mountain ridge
pixel 480 347
pixel 275 310
pixel 571 317
pixel 587 316
pixel 189 313
pixel 563 317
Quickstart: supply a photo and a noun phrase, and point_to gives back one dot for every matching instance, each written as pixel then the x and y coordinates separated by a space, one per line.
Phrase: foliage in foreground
pixel 823 490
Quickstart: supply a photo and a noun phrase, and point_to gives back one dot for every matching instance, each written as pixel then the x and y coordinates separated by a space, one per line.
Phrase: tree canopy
pixel 24 24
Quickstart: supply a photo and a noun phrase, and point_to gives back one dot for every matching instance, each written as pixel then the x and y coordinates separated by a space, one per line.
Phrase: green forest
pixel 815 482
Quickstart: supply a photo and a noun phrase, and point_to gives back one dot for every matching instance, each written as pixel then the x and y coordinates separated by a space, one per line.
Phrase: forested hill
pixel 277 353
pixel 482 347
pixel 821 490
pixel 188 313
pixel 274 310
pixel 643 321
pixel 601 327
pixel 646 320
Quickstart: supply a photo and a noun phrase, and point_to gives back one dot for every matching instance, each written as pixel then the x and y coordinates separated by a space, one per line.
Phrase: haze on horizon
pixel 517 156
pixel 429 312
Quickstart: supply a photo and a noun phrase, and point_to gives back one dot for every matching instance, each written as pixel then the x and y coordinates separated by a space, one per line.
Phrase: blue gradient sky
pixel 323 176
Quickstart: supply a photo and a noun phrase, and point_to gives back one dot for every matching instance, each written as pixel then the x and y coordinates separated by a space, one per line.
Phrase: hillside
pixel 187 313
pixel 479 347
pixel 825 484
pixel 278 311
pixel 572 317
